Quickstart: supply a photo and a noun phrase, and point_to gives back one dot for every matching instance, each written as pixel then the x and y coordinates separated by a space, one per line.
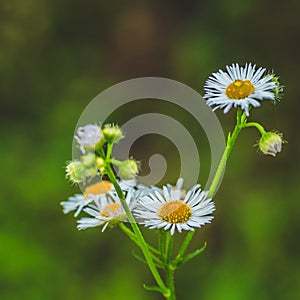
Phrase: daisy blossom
pixel 169 212
pixel 106 211
pixel 91 193
pixel 242 87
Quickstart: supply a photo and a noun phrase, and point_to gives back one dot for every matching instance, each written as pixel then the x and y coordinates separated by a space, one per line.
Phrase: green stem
pixel 169 245
pixel 184 246
pixel 240 123
pixel 171 283
pixel 109 151
pixel 240 118
pixel 138 234
pixel 170 270
pixel 257 125
pixel 161 243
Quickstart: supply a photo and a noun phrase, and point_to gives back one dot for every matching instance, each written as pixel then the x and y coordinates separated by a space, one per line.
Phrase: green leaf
pixel 191 255
pixel 229 136
pixel 139 258
pixel 153 288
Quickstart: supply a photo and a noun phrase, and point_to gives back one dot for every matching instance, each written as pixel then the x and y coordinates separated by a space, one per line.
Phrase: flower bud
pixel 270 143
pixel 128 169
pixel 112 133
pixel 100 164
pixel 89 160
pixel 75 171
pixel 88 137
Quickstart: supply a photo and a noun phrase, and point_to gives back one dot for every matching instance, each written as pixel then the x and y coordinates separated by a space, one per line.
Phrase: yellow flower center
pixel 100 187
pixel 175 212
pixel 239 89
pixel 110 208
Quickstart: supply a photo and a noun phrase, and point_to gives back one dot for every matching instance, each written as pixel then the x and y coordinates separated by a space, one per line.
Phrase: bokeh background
pixel 55 57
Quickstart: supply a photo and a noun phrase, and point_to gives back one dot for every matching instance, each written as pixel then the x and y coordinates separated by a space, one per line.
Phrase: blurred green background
pixel 55 57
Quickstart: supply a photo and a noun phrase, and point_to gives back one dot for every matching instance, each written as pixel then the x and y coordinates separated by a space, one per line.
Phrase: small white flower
pixel 106 211
pixel 239 87
pixel 169 212
pixel 88 136
pixel 90 194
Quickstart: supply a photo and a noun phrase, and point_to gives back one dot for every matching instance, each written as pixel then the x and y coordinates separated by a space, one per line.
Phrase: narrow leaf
pixel 191 255
pixel 153 288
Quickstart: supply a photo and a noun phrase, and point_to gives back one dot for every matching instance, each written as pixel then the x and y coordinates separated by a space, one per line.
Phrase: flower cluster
pixel 111 194
pixel 92 140
pixel 170 208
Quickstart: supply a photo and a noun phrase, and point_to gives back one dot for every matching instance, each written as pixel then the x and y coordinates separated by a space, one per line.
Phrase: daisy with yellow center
pixel 106 210
pixel 239 87
pixel 91 193
pixel 165 210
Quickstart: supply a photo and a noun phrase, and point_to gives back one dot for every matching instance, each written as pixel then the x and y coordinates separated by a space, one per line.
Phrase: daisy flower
pixel 79 201
pixel 106 211
pixel 169 212
pixel 242 87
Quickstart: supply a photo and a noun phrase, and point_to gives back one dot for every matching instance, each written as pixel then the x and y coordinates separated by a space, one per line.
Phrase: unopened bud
pixel 128 169
pixel 112 133
pixel 89 159
pixel 100 164
pixel 270 143
pixel 75 171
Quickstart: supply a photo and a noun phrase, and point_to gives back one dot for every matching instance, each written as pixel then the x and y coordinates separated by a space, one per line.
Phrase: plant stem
pixel 170 270
pixel 240 123
pixel 184 246
pixel 169 245
pixel 170 282
pixel 136 230
pixel 257 125
pixel 230 143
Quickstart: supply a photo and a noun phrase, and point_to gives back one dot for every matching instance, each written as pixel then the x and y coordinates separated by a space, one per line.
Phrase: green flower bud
pixel 75 171
pixel 128 169
pixel 89 160
pixel 100 164
pixel 270 143
pixel 112 133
